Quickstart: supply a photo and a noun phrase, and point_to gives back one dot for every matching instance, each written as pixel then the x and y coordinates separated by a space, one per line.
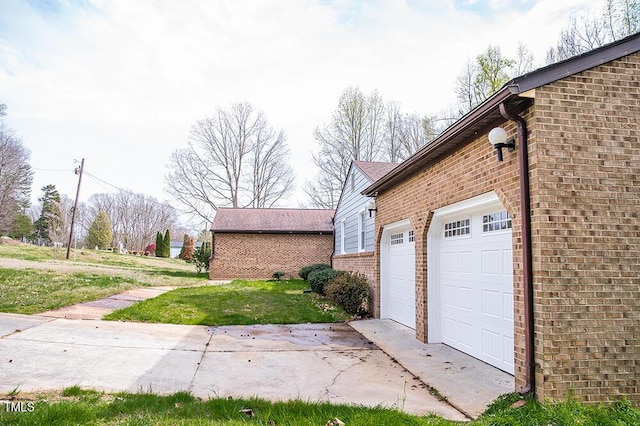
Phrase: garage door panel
pixel 465 331
pixel 398 295
pixel 507 307
pixel 492 344
pixel 476 290
pixel 491 262
pixel 492 302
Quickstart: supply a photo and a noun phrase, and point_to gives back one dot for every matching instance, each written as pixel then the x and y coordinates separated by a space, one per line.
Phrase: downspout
pixel 527 261
pixel 333 223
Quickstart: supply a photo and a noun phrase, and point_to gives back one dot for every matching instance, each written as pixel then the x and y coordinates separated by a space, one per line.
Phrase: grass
pixel 88 407
pixel 32 291
pixel 238 303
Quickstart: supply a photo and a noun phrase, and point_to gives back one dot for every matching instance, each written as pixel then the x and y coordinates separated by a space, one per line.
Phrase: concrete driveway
pixel 312 362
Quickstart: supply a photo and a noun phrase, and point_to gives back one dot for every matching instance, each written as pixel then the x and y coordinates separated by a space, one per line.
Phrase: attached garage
pixel 398 291
pixel 471 268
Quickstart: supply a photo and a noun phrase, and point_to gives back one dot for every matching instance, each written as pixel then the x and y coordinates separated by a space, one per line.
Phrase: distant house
pixel 354 219
pixel 523 250
pixel 255 243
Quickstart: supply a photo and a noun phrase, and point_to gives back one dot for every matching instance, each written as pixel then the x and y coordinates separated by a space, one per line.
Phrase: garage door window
pixel 500 221
pixel 412 237
pixel 457 228
pixel 397 239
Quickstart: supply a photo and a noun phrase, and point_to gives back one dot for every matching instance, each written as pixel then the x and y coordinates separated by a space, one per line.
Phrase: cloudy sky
pixel 121 82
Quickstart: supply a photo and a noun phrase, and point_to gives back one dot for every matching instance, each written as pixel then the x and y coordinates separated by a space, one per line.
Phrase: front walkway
pixel 466 382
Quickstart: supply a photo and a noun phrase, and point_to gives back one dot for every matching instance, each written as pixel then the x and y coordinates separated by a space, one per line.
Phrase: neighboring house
pixel 354 220
pixel 531 264
pixel 255 243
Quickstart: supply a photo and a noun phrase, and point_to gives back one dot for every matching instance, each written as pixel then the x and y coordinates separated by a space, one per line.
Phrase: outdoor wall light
pixel 371 206
pixel 498 138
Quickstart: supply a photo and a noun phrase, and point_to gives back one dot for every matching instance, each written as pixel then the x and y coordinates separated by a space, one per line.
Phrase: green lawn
pixel 237 303
pixel 31 291
pixel 75 406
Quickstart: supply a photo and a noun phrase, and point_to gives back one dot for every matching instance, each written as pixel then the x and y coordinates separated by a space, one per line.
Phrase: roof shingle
pixel 374 170
pixel 273 220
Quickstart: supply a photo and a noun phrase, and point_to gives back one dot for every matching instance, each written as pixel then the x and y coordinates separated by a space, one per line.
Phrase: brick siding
pixel 587 235
pixel 584 156
pixel 258 256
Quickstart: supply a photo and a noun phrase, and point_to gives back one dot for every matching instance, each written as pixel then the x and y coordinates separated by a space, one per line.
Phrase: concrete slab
pixel 15 323
pixel 468 383
pixel 309 362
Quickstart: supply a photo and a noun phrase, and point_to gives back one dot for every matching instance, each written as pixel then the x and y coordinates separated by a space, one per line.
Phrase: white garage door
pixel 398 291
pixel 476 285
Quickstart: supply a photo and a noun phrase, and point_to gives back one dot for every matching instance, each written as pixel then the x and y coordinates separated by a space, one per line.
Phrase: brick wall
pixel 364 263
pixel 260 255
pixel 471 171
pixel 584 154
pixel 587 234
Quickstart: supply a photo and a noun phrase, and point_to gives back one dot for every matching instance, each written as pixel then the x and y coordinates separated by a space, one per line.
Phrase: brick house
pixel 531 263
pixel 354 223
pixel 255 243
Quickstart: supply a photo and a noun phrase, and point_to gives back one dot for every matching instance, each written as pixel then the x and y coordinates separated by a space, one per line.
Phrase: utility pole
pixel 78 171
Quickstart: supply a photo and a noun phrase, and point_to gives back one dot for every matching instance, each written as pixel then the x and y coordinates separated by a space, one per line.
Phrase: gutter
pixel 525 218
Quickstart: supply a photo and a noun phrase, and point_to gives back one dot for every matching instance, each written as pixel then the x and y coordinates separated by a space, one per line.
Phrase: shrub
pixel 305 271
pixel 277 275
pixel 150 250
pixel 188 248
pixel 201 257
pixel 351 291
pixel 319 278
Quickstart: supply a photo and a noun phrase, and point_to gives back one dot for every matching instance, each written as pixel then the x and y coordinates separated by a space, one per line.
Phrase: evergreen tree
pixel 166 245
pixel 100 232
pixel 22 227
pixel 50 219
pixel 186 253
pixel 159 244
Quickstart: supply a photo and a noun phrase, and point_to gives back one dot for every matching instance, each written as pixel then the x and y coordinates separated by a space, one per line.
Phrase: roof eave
pixel 275 231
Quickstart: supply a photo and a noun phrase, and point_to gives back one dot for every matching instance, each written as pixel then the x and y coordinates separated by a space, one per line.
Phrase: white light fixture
pixel 371 206
pixel 498 138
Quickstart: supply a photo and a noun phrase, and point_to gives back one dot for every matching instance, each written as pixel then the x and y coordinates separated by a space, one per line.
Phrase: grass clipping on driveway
pixel 237 303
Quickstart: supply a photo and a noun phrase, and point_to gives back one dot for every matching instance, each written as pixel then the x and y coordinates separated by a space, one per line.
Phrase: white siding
pixel 351 203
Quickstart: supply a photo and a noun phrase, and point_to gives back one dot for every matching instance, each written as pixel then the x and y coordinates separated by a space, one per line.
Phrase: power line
pixel 52 170
pixel 128 191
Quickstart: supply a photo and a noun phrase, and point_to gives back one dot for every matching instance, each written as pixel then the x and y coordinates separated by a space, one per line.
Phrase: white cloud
pixel 120 83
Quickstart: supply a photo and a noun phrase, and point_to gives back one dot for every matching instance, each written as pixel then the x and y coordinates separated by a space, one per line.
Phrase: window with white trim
pixel 397 239
pixel 499 221
pixel 457 228
pixel 412 237
pixel 362 231
pixel 343 227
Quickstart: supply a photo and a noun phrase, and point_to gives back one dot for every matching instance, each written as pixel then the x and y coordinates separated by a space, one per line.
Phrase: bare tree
pixel 415 132
pixel 622 18
pixel 232 159
pixel 16 177
pixel 135 218
pixel 523 62
pixel 581 35
pixel 619 19
pixel 355 132
pixel 392 132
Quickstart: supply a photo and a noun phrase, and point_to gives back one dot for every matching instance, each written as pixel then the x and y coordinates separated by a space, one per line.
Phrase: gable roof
pixel 273 221
pixel 374 170
pixel 487 115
